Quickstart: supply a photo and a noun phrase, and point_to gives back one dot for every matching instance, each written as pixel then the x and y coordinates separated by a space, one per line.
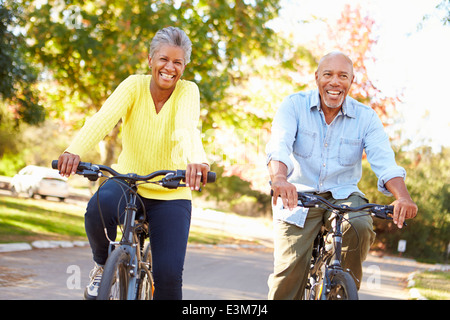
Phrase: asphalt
pixel 385 278
pixel 210 273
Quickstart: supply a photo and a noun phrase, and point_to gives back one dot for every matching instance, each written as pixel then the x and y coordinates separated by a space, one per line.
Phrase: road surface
pixel 211 273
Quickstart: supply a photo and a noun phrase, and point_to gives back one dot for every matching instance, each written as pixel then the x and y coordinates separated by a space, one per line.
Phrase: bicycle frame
pixel 131 243
pixel 324 254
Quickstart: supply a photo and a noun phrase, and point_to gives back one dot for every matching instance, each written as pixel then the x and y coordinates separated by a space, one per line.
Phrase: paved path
pixel 211 273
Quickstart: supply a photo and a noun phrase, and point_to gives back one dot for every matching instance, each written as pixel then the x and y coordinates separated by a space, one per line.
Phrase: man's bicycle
pixel 327 280
pixel 127 274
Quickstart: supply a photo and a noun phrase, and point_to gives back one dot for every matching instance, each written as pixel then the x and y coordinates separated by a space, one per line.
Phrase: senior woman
pixel 160 114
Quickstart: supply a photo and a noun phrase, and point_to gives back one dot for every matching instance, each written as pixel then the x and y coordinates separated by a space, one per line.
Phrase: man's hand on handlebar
pixel 68 163
pixel 194 172
pixel 287 191
pixel 280 186
pixel 404 208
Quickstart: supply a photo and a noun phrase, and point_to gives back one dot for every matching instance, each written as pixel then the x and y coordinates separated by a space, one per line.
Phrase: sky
pixel 412 57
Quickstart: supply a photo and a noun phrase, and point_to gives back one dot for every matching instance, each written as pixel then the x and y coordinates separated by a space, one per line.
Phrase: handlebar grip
pixel 211 177
pixel 81 165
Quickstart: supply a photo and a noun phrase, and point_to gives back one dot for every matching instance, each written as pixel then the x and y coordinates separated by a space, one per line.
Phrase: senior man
pixel 316 146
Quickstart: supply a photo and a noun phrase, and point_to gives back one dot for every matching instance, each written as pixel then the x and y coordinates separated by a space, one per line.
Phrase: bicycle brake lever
pixel 170 181
pixel 91 175
pixel 382 213
pixel 309 201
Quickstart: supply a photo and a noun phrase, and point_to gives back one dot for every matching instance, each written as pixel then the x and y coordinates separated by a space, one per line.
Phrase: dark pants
pixel 169 222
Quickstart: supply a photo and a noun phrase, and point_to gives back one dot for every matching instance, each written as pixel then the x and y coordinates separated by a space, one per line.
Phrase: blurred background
pixel 61 59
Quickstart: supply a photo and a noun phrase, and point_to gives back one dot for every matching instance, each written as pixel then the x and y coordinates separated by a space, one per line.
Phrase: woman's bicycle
pixel 327 280
pixel 127 274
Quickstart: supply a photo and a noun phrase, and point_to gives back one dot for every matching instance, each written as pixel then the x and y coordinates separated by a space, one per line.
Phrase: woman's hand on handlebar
pixel 194 173
pixel 68 163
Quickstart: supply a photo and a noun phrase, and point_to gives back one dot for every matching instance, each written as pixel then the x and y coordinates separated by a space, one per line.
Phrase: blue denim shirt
pixel 322 157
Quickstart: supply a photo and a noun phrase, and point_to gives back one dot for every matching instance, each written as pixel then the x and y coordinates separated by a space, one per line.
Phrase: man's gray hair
pixel 174 37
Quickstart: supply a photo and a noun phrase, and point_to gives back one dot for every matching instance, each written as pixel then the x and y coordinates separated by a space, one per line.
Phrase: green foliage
pixel 11 144
pixel 428 182
pixel 231 193
pixel 11 164
pixel 86 48
pixel 89 47
pixel 17 76
pixel 445 7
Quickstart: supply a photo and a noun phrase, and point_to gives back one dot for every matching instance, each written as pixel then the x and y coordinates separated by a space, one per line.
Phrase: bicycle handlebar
pixel 171 179
pixel 311 201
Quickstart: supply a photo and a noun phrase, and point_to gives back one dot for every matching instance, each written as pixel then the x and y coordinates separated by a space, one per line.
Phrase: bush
pixel 429 185
pixel 11 164
pixel 235 194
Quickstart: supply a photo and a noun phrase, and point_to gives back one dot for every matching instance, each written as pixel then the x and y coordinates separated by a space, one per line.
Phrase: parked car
pixel 42 181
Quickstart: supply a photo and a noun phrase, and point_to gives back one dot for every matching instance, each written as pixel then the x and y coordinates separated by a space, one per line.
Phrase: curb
pixel 414 293
pixel 228 246
pixel 40 244
pixel 50 244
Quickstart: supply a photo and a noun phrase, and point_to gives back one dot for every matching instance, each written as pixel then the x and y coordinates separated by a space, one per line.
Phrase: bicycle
pixel 127 274
pixel 327 280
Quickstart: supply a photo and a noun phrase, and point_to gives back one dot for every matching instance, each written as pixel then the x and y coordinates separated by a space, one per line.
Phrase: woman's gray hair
pixel 174 37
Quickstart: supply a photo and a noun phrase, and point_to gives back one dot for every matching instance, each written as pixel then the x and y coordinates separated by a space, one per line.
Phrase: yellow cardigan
pixel 168 140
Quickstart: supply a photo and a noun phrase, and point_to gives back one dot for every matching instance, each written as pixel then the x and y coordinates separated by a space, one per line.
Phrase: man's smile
pixel 334 92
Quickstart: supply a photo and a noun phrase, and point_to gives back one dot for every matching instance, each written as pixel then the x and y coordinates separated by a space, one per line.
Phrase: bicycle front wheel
pixel 145 288
pixel 342 287
pixel 114 284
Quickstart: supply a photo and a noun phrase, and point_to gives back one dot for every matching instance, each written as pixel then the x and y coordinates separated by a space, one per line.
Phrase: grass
pixel 26 220
pixel 214 237
pixel 433 285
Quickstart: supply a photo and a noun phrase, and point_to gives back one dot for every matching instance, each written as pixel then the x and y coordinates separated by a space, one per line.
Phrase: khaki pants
pixel 293 248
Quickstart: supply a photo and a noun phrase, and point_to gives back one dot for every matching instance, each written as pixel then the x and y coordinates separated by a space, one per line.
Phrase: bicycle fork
pixel 336 224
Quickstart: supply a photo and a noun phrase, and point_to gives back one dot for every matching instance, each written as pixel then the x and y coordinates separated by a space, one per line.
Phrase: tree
pixel 238 142
pixel 16 74
pixel 86 48
pixel 445 6
pixel 427 234
pixel 354 35
pixel 442 8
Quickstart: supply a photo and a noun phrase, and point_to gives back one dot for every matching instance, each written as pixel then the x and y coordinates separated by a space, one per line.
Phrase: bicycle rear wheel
pixel 114 284
pixel 342 287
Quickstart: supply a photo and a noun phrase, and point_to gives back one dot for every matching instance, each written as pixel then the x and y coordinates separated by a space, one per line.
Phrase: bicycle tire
pixel 114 284
pixel 146 288
pixel 342 287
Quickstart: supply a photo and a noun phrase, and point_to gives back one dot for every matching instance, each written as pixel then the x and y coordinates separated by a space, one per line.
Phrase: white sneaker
pixel 91 291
